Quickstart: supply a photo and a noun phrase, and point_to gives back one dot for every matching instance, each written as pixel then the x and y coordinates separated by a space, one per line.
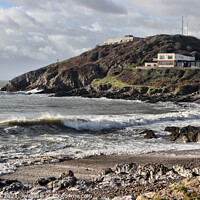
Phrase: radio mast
pixel 182 25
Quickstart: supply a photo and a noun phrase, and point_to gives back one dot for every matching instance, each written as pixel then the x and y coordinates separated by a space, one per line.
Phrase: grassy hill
pixel 111 71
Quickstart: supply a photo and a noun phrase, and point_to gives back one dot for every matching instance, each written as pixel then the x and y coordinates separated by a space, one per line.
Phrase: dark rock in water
pixel 185 134
pixel 149 134
pixel 172 129
pixel 175 133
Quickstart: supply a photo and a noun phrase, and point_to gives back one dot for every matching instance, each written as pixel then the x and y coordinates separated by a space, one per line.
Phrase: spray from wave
pixel 99 123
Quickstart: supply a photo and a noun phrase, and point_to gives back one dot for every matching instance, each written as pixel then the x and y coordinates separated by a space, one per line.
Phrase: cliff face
pixel 110 70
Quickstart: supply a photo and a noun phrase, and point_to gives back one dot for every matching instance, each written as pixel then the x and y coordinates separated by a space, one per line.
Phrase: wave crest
pixel 100 123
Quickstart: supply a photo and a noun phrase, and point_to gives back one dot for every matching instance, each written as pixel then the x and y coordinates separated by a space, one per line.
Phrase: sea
pixel 35 126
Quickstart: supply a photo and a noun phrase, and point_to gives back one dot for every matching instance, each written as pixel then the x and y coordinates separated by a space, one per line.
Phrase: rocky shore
pixel 115 72
pixel 156 175
pixel 150 176
pixel 129 95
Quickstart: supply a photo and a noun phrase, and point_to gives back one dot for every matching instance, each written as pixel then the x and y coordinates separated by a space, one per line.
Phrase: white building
pixel 120 40
pixel 151 64
pixel 174 60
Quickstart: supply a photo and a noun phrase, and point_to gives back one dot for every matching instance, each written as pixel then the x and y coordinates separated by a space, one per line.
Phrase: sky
pixel 36 33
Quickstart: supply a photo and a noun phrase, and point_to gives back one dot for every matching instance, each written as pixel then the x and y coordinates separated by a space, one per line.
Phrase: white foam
pixel 106 122
pixel 99 123
pixel 72 143
pixel 33 91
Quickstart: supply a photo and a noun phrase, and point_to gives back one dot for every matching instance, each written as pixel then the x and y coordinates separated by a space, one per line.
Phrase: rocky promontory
pixel 113 72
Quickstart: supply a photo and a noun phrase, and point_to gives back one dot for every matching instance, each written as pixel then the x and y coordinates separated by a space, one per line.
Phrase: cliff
pixel 110 71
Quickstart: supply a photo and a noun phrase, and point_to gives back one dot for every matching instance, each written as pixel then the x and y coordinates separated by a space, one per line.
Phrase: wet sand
pixel 89 168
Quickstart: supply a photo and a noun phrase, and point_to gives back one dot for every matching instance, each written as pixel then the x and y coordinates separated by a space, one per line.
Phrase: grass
pixel 159 198
pixel 184 190
pixel 110 80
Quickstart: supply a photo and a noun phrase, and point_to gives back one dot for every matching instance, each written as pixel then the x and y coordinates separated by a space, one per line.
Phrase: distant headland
pixel 119 71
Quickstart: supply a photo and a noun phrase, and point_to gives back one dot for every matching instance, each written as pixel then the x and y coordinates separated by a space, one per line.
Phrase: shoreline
pixel 89 168
pixel 190 98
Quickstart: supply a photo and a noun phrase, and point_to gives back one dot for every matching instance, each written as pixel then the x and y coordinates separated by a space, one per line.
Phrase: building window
pixel 166 63
pixel 170 57
pixel 162 57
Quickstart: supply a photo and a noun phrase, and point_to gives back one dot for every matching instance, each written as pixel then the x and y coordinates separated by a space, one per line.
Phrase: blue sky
pixel 34 34
pixel 5 4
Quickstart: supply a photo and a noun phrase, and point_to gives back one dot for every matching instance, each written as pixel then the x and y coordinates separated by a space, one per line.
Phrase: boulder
pixel 11 185
pixel 43 181
pixel 106 171
pixel 65 180
pixel 185 134
pixel 149 134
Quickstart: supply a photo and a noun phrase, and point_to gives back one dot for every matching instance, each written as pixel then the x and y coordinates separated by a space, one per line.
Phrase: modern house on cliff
pixel 120 40
pixel 173 60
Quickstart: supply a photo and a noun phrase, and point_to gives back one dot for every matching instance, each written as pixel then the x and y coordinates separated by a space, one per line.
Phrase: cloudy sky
pixel 35 33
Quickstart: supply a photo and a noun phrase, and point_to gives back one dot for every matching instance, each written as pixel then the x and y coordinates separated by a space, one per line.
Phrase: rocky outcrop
pixel 7 186
pixel 185 134
pixel 123 181
pixel 110 71
pixel 149 134
pixel 185 189
pixel 64 181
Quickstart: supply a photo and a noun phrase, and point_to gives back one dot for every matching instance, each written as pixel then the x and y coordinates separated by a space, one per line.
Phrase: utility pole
pixel 182 25
pixel 187 27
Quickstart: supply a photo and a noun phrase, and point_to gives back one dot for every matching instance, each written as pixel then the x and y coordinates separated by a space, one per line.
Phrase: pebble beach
pixel 104 177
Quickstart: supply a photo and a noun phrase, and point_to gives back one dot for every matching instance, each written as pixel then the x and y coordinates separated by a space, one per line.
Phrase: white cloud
pixel 103 6
pixel 34 34
pixel 47 50
pixel 94 27
pixel 12 48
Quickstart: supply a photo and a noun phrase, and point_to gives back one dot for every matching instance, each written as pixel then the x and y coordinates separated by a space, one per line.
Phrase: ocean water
pixel 35 126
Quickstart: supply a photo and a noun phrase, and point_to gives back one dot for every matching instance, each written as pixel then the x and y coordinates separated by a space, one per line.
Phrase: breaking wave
pixel 99 123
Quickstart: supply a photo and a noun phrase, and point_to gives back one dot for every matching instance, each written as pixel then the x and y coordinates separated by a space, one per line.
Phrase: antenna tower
pixel 182 25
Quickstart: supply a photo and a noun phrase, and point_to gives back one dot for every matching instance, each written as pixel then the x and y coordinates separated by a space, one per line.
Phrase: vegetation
pixel 111 67
pixel 109 81
pixel 189 194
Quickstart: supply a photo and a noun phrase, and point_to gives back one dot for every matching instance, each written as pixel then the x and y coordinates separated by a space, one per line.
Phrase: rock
pixel 96 68
pixel 172 129
pixel 106 171
pixel 43 181
pixel 124 168
pixel 183 138
pixel 37 190
pixel 149 195
pixel 131 174
pixel 11 185
pixel 185 134
pixel 61 184
pixel 65 180
pixel 149 134
pixel 123 198
pixel 66 175
pixel 181 170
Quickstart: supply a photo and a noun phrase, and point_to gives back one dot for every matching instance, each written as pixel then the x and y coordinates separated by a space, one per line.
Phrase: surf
pixel 98 123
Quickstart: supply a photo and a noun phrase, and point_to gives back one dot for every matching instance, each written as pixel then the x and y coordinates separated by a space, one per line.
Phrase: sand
pixel 89 168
